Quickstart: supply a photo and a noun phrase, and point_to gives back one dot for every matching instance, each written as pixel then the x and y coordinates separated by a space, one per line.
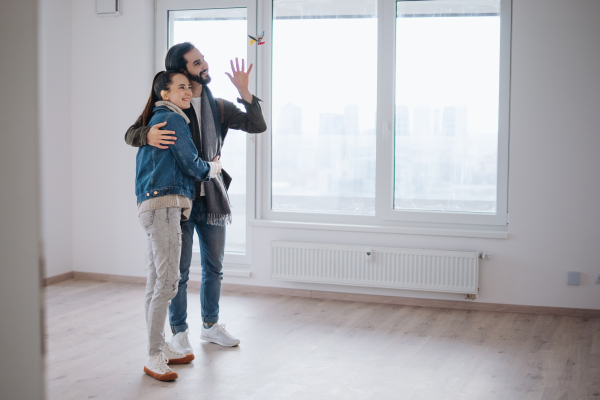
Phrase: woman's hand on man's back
pixel 219 165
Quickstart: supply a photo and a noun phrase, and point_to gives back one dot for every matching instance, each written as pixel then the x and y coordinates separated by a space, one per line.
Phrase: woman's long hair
pixel 162 81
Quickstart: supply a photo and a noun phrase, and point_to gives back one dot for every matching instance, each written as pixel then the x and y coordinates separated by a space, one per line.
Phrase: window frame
pixel 265 211
pixel 258 177
pixel 386 139
pixel 162 7
pixel 385 214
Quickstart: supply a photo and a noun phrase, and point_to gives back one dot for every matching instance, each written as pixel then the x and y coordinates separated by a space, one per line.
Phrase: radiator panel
pixel 431 270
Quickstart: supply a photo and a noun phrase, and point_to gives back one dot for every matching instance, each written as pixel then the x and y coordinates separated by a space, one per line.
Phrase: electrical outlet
pixel 598 279
pixel 573 278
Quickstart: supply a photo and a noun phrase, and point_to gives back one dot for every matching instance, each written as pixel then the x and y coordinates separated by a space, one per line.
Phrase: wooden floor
pixel 303 348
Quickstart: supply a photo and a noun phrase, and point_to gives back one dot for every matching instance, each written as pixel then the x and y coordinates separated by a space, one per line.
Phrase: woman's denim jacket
pixel 160 172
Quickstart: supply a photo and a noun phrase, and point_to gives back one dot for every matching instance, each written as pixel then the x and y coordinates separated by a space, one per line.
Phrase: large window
pixel 446 106
pixel 196 26
pixel 219 29
pixel 324 105
pixel 381 113
pixel 391 114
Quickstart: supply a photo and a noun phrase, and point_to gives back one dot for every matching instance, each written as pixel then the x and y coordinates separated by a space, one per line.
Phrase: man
pixel 210 120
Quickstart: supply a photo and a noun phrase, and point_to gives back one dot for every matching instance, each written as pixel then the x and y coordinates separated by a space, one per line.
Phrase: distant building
pixel 290 120
pixel 351 120
pixel 422 121
pixel 454 121
pixel 331 124
pixel 340 124
pixel 437 122
pixel 402 121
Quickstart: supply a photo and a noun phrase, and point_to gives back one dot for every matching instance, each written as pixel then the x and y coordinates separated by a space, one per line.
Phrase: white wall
pixel 554 147
pixel 21 369
pixel 55 134
pixel 111 77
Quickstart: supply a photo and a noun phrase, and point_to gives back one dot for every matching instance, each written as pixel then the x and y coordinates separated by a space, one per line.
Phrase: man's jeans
pixel 163 230
pixel 212 249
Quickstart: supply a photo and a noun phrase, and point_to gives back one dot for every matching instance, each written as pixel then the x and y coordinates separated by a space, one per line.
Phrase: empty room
pixel 300 199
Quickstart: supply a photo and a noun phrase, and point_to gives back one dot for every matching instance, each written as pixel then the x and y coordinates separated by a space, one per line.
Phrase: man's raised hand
pixel 240 79
pixel 159 138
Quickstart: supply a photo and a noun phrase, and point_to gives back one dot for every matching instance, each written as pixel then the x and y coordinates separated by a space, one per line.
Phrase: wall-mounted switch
pixel 573 278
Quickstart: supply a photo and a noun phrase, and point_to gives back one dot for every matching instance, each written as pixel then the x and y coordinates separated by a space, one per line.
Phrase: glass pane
pixel 220 34
pixel 446 123
pixel 324 103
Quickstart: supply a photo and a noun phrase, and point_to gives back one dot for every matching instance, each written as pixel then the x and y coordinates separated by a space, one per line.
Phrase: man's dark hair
pixel 174 60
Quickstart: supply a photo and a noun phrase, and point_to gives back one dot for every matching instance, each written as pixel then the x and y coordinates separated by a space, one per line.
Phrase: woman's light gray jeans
pixel 163 230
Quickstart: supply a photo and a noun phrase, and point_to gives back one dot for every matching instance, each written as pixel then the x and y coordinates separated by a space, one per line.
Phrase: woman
pixel 165 191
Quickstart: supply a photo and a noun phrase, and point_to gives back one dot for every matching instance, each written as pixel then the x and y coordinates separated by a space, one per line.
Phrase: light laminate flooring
pixel 304 348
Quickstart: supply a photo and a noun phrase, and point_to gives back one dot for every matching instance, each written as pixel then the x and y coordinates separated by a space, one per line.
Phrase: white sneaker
pixel 181 343
pixel 157 367
pixel 217 334
pixel 174 356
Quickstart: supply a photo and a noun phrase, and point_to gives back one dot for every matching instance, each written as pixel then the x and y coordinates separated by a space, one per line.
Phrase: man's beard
pixel 199 79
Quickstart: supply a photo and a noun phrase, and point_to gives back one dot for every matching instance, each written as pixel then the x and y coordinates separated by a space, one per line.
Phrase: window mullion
pixel 385 109
pixel 504 108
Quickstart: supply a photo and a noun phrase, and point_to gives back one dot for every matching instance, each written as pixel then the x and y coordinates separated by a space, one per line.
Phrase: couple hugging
pixel 180 185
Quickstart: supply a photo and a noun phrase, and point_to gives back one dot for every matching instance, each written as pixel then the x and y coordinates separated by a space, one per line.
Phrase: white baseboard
pixel 57 278
pixel 368 298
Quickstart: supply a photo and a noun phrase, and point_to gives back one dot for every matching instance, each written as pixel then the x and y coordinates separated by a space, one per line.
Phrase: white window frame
pixel 385 135
pixel 385 215
pixel 264 212
pixel 162 7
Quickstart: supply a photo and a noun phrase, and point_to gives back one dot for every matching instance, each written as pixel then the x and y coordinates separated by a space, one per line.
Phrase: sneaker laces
pixel 164 359
pixel 172 350
pixel 220 329
pixel 183 339
pixel 158 363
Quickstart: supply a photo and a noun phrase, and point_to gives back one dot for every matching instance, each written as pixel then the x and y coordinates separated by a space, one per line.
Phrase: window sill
pixel 497 233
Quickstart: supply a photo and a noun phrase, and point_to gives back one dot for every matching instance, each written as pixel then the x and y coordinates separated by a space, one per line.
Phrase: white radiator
pixel 433 270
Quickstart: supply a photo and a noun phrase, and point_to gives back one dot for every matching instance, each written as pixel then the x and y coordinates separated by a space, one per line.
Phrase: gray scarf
pixel 217 201
pixel 173 108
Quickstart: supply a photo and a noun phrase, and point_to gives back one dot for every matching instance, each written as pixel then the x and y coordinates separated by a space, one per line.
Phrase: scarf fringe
pixel 219 219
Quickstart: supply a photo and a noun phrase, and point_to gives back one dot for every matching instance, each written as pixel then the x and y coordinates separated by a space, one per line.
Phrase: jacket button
pixel 155 192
